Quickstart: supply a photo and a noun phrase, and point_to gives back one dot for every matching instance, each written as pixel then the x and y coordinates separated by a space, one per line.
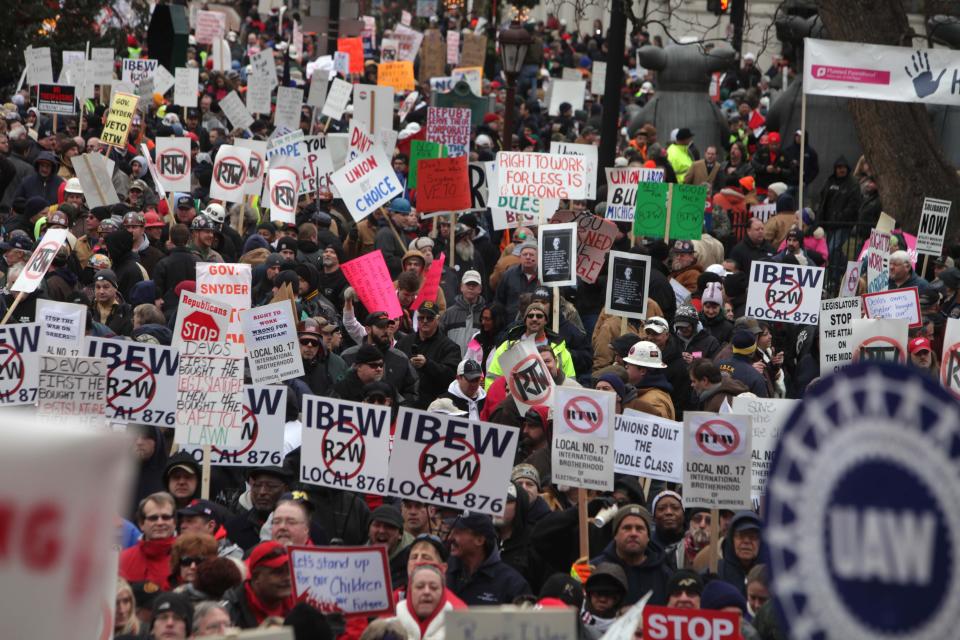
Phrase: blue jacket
pixel 740 368
pixel 512 285
pixel 494 582
pixel 652 575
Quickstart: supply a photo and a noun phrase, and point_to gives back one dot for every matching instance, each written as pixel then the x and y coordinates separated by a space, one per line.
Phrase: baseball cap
pixel 429 309
pixel 387 514
pixel 683 246
pixel 685 580
pixel 918 344
pixel 268 554
pixel 471 276
pixel 17 241
pixel 470 370
pixel 184 202
pixel 199 507
pixel 478 523
pixel 377 318
pixel 657 325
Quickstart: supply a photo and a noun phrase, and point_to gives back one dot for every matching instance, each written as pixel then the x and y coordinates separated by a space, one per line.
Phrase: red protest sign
pixel 370 278
pixel 444 185
pixel 595 237
pixel 665 623
pixel 354 48
pixel 431 282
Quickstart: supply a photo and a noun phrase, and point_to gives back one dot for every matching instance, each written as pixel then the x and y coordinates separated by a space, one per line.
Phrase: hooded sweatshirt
pixel 473 406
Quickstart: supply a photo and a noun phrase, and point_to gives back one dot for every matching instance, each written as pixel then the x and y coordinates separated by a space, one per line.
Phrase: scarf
pixel 154 549
pixel 260 610
pixel 691 549
pixel 423 624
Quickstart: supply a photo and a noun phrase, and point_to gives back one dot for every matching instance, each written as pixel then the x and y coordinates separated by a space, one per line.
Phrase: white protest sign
pixel 449 126
pixel 836 329
pixel 60 525
pixel 341 63
pixel 648 446
pixel 228 284
pixel 141 380
pixel 460 463
pixel 511 623
pixel 409 42
pixel 879 340
pixel 173 163
pixel 767 416
pixel 19 363
pixel 360 140
pixel 256 166
pixel 933 226
pixel 319 84
pixel 569 91
pixel 589 151
pixel 134 70
pixel 337 98
pixel 220 55
pixel 542 175
pixel 210 26
pixel 510 212
pixel 598 78
pixel 784 292
pixel 582 449
pixel 453 47
pixel 185 83
pixel 622 190
pixel 878 261
pixel 366 183
pixel 230 173
pixel 71 71
pixel 73 387
pixel 40 261
pixel 763 212
pixel 100 71
pixel 716 460
pixel 162 80
pixel 262 66
pixel 442 84
pixel 850 284
pixel 569 73
pixel 950 358
pixel 895 304
pixel 259 94
pixel 346 445
pixel 283 194
pixel 343 579
pixel 557 258
pixel 62 327
pixel 373 106
pixel 317 166
pixel 270 335
pixel 39 65
pixel 529 382
pixel 236 111
pixel 289 102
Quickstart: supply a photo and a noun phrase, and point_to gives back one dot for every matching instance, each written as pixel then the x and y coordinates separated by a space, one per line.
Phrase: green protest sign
pixel 650 218
pixel 686 211
pixel 420 150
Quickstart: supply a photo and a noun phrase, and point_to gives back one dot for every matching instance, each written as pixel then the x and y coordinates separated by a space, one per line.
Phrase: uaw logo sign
pixel 864 508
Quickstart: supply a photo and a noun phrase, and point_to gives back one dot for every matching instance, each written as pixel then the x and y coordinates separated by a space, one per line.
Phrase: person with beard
pixel 603 595
pixel 149 559
pixel 641 559
pixel 392 239
pixel 468 258
pixel 668 530
pixel 321 369
pixel 533 327
pixel 434 355
pixel 695 539
pixel 267 485
pixel 368 363
pixel 476 573
pixel 397 369
pixel 332 282
pixel 536 433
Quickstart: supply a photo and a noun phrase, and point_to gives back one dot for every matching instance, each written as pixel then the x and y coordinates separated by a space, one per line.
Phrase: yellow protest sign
pixel 117 126
pixel 398 74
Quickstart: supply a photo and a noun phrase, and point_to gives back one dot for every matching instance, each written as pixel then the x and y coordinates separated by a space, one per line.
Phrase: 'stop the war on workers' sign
pixel 40 261
pixel 933 226
pixel 542 175
pixel 716 460
pixel 784 292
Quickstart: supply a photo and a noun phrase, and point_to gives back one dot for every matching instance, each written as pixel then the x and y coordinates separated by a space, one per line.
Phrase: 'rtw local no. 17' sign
pixel 716 460
pixel 583 438
pixel 784 292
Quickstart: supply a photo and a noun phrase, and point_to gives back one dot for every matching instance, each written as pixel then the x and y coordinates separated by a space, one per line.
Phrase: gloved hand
pixel 581 569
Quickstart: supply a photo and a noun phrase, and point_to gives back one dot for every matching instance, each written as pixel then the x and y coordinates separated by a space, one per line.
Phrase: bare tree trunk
pixel 897 137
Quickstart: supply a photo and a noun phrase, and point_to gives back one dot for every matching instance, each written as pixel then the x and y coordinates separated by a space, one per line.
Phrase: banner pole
pixel 16 301
pixel 714 538
pixel 583 522
pixel 205 482
pixel 803 148
pixel 452 239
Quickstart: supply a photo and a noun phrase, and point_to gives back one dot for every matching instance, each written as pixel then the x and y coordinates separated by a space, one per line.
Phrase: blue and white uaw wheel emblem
pixel 864 509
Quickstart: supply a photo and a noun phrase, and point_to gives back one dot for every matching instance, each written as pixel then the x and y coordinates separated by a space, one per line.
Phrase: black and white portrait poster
pixel 628 281
pixel 558 254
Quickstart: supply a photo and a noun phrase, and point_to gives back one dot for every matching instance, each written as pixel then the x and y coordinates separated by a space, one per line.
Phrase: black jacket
pixel 180 265
pixel 397 371
pixel 120 247
pixel 235 602
pixel 494 582
pixel 745 252
pixel 443 356
pixel 741 368
pixel 719 327
pixel 840 197
pixel 651 575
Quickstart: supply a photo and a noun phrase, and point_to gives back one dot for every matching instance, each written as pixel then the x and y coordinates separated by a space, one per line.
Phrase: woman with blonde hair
pixel 125 621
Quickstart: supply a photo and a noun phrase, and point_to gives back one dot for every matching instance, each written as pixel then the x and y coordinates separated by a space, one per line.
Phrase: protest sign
pixel 453 47
pixel 135 70
pixel 397 74
pixel 408 104
pixel 479 188
pixel 100 71
pixel 558 246
pixel 583 442
pixel 426 8
pixel 353 47
pixel 570 91
pixel 230 285
pixel 595 236
pixel 361 141
pixel 346 580
pixel 763 212
pixel 687 204
pixel 444 185
pixel 256 166
pixel 317 168
pixel 878 261
pixel 117 126
pixel 510 622
pixel 230 173
pixel 94 176
pixel 319 84
pixel 666 623
pixel 569 73
pixel 365 184
pixel 528 380
pixel 431 282
pixel 767 417
pixel 284 188
pixel 173 163
pixel 589 151
pixel 201 321
pixel 473 76
pixel 185 86
pixel 716 460
pixel 950 358
pixel 879 340
pixel 622 190
pixel 598 78
pixel 19 363
pixel 346 445
pixel 508 212
pixel 784 293
pixel 648 446
pixel 289 102
pixel 420 149
pixel 408 42
pixel 236 111
pixel 449 126
pixel 461 463
pixel 432 56
pixel 40 260
pixel 141 380
pixel 210 26
pixel 850 284
pixel 273 633
pixel 836 329
pixel 542 175
pixel 933 226
pixel 895 304
pixel 270 337
pixel 341 63
pixel 651 209
pixel 370 278
pixel 373 107
pixel 39 65
pixel 60 526
pixel 259 98
pixel 74 387
pixel 474 50
pixel 57 99
pixel 62 327
pixel 628 285
pixel 162 80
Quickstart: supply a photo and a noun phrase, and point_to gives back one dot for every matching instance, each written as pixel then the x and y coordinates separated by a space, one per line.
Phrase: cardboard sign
pixel 950 358
pixel 185 83
pixel 346 445
pixel 836 329
pixel 236 111
pixel 173 163
pixel 210 26
pixel 319 84
pixel 370 278
pixel 259 95
pixel 460 463
pixel 665 623
pixel 933 226
pixel 595 236
pixel 763 212
pixel 397 74
pixel 420 149
pixel 373 107
pixel 230 173
pixel 716 460
pixel 115 130
pixel 628 285
pixel 63 325
pixel 270 336
pixel 347 580
pixel 444 185
pixel 230 285
pixel 850 284
pixel 449 126
pixel 58 99
pixel 570 91
pixel 896 304
pixel 588 151
pixel 366 184
pixel 474 50
pixel 432 56
pixel 542 175
pixel 528 380
pixel 353 47
pixel 289 102
pixel 283 194
pixel 884 340
pixel 878 261
pixel 94 176
pixel 598 78
pixel 19 363
pixel 583 438
pixel 558 246
pixel 784 292
pixel 40 260
pixel 73 387
pixel 510 622
pixel 767 417
pixel 648 446
pixel 142 380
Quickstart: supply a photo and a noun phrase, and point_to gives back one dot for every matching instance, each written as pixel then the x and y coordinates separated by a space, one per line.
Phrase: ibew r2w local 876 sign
pixel 784 293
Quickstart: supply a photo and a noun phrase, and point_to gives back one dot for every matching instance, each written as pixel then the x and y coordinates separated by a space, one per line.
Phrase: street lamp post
pixel 514 43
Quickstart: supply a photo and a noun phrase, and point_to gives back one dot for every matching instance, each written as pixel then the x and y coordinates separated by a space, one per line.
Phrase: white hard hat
pixel 215 212
pixel 73 186
pixel 645 354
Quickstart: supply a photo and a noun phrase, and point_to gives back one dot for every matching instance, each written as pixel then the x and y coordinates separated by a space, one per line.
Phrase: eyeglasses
pixel 158 516
pixel 266 486
pixel 188 561
pixel 375 365
pixel 427 318
pixel 536 316
pixel 309 343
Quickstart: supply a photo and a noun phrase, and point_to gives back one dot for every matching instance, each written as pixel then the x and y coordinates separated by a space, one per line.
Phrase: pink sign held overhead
pixel 370 278
pixel 431 282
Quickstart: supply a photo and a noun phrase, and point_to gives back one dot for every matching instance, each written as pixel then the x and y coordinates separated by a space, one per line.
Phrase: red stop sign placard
pixel 200 327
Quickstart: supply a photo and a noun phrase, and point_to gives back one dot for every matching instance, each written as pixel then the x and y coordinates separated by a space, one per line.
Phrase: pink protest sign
pixel 369 277
pixel 431 282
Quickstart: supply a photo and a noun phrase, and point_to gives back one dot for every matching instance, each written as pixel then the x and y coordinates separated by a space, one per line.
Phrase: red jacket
pixel 147 560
